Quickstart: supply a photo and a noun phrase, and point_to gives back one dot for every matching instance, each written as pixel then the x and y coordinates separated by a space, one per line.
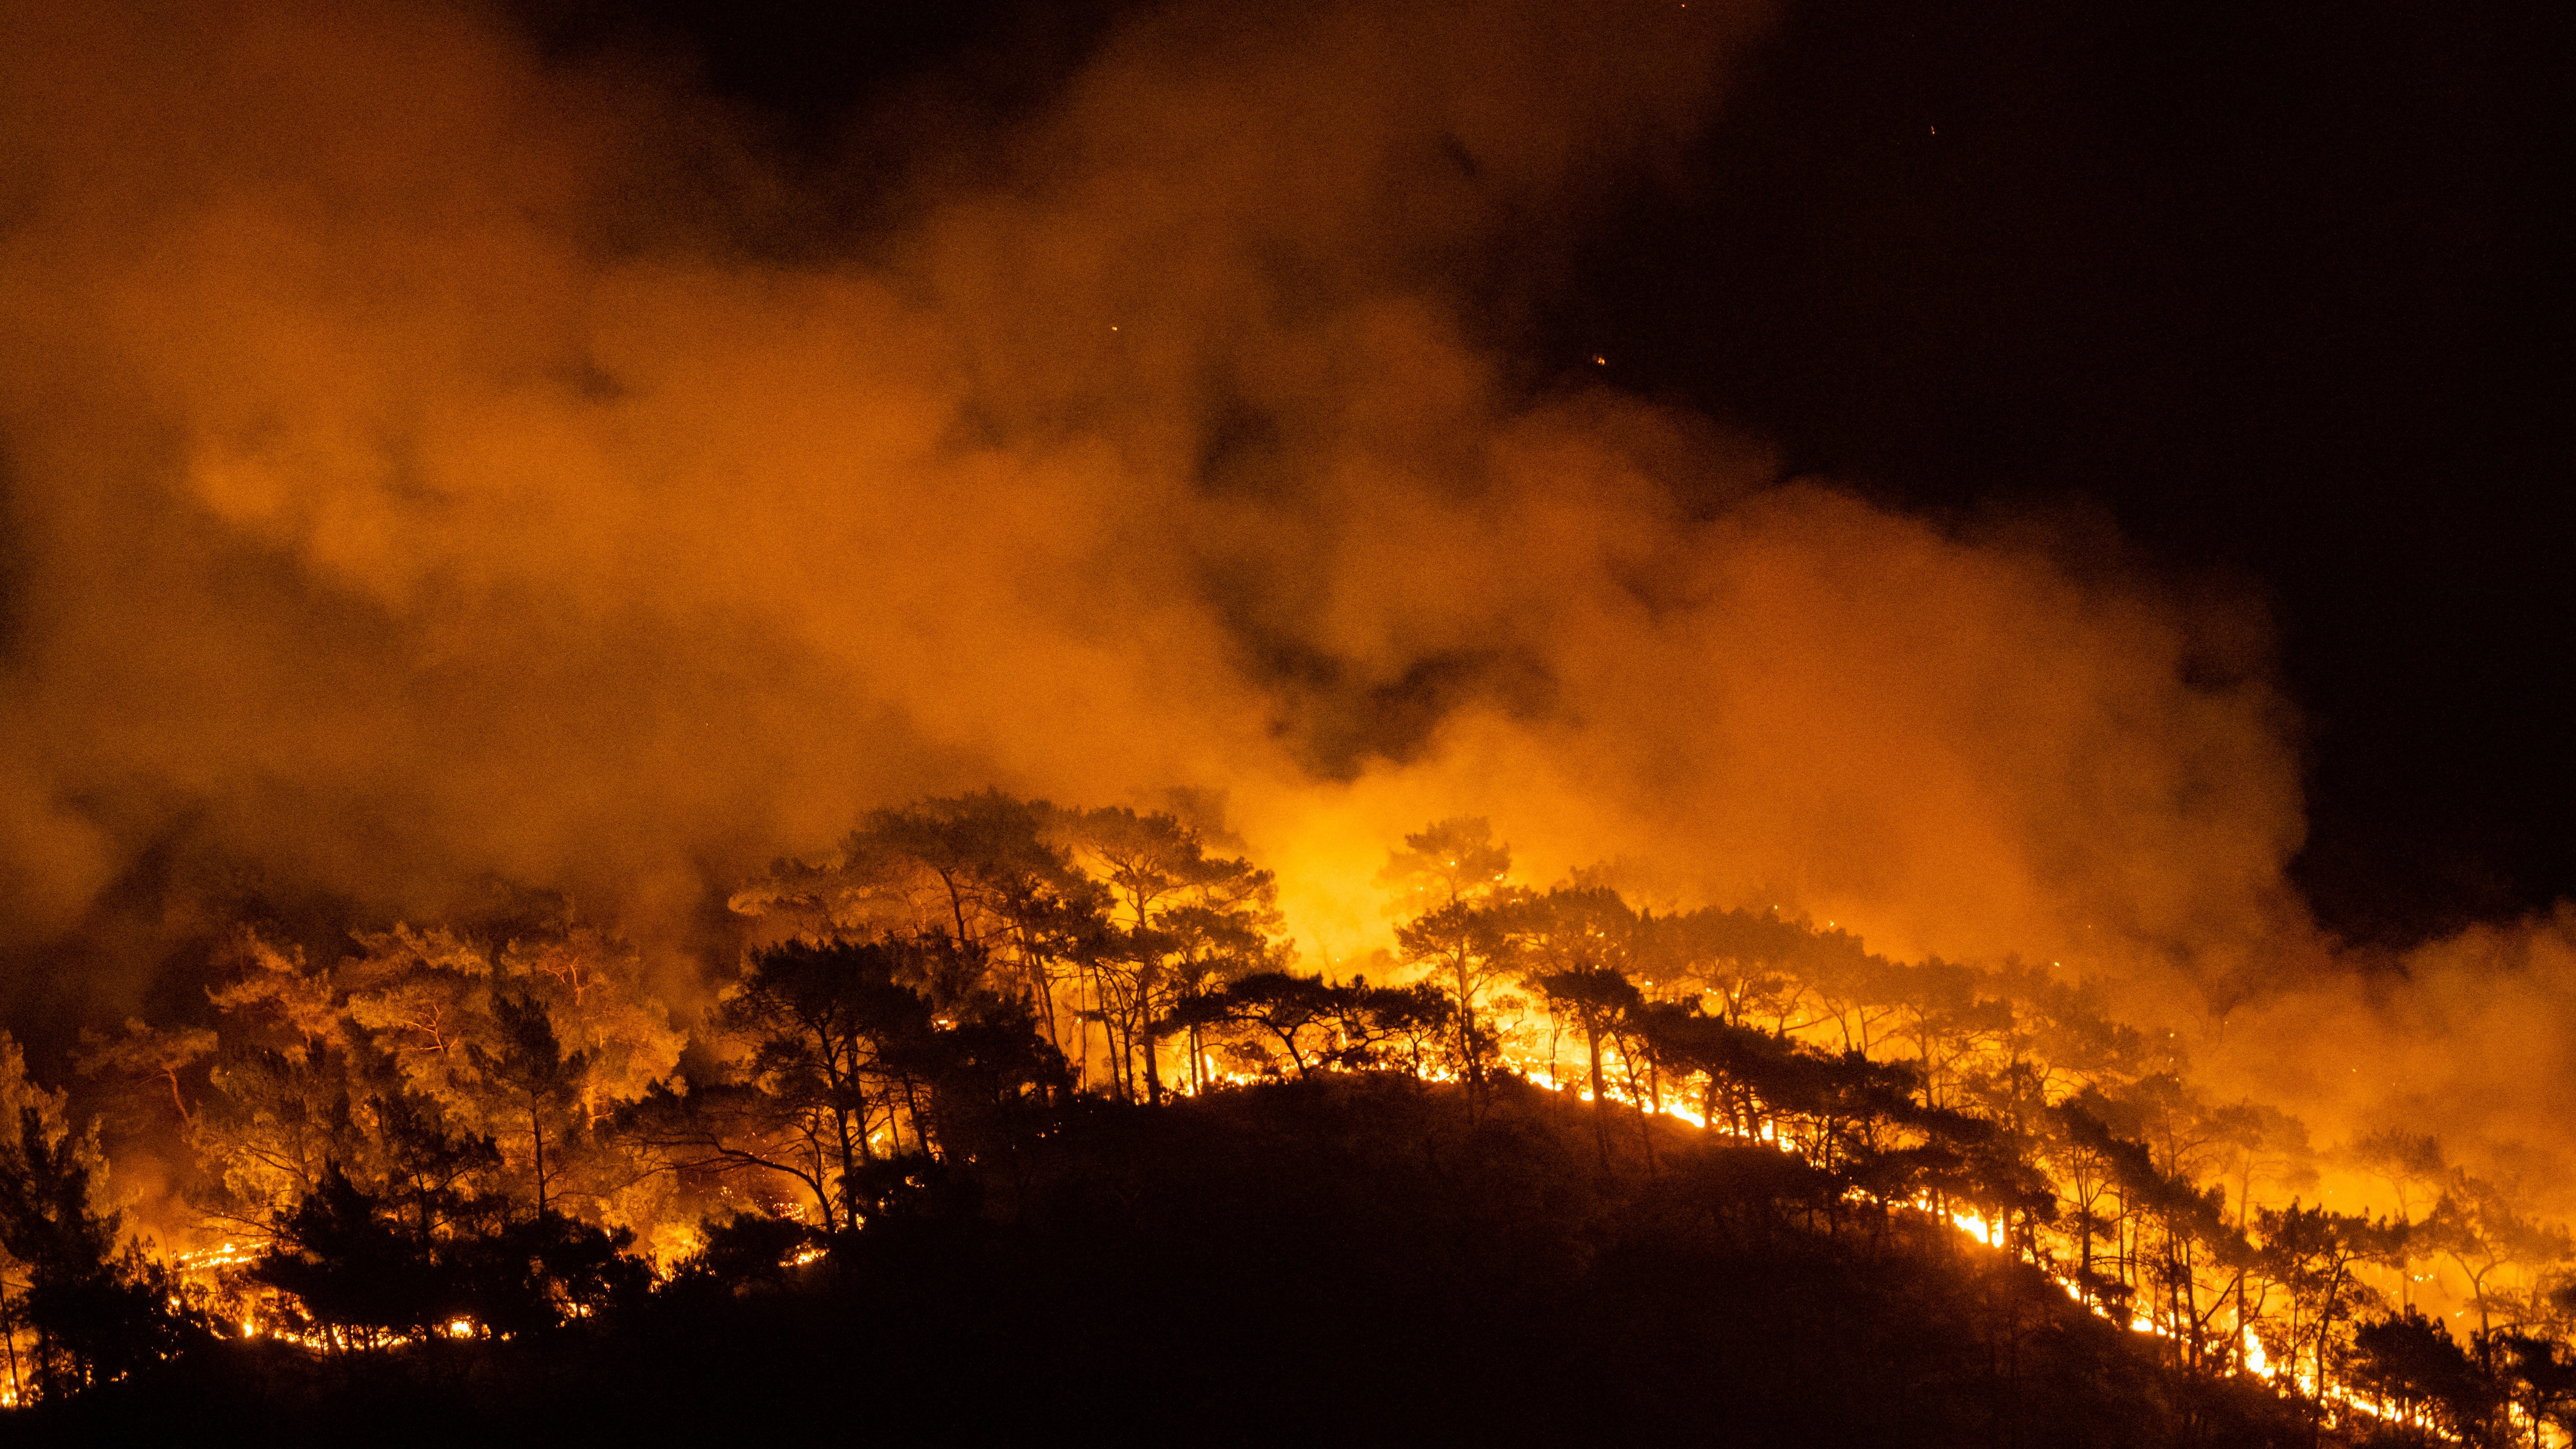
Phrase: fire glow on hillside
pixel 455 1135
pixel 471 503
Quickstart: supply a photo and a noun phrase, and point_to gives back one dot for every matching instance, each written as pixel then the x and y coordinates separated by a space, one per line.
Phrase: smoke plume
pixel 424 459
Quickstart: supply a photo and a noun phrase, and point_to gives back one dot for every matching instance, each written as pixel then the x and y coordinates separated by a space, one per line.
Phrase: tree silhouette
pixel 725 1128
pixel 1948 1018
pixel 2312 1253
pixel 1742 960
pixel 985 867
pixel 1447 880
pixel 532 1073
pixel 1352 1026
pixel 1187 916
pixel 833 1041
pixel 1297 1012
pixel 97 1314
pixel 424 1162
pixel 2412 1166
pixel 360 1278
pixel 143 1054
pixel 2412 1363
pixel 1392 1024
pixel 2540 1374
pixel 1600 1001
pixel 815 1017
pixel 2478 1227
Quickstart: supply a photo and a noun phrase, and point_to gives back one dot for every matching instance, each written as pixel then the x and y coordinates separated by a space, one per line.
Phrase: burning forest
pixel 1235 719
pixel 454 1138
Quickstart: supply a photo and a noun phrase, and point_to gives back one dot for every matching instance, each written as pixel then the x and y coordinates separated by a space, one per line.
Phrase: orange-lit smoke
pixel 423 461
pixel 2466 1039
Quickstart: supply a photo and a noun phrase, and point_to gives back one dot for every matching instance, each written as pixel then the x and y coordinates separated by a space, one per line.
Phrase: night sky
pixel 2276 291
pixel 2276 286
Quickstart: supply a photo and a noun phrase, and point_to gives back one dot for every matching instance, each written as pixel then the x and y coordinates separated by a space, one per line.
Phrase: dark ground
pixel 1348 1261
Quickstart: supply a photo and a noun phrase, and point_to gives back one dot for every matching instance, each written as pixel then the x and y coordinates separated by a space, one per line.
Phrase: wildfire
pixel 1924 1090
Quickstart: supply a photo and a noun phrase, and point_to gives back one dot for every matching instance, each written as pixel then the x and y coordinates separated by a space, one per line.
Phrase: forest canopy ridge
pixel 470 1134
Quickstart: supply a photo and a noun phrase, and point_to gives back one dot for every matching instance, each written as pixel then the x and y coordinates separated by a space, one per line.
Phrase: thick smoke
pixel 2466 1039
pixel 424 461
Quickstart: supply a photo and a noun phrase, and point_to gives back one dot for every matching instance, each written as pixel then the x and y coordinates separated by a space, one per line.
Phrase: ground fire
pixel 491 1131
pixel 1385 720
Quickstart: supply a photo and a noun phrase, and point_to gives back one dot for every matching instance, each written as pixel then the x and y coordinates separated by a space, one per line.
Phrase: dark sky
pixel 2278 288
pixel 2276 285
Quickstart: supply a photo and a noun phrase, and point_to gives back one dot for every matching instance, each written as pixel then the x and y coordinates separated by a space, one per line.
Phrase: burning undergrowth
pixel 982 1016
pixel 430 460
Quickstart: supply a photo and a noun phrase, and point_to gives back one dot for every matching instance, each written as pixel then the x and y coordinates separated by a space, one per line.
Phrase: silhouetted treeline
pixel 1049 1082
pixel 1352 1258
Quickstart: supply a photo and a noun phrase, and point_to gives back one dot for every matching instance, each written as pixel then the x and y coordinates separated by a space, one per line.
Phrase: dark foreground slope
pixel 1347 1260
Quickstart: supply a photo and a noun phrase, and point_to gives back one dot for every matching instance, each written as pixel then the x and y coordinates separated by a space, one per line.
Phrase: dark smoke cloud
pixel 422 463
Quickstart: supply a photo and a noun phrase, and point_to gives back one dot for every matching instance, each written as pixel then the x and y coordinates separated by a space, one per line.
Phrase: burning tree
pixel 529 1077
pixel 464 1129
pixel 2312 1253
pixel 93 1313
pixel 1605 1006
pixel 1455 876
pixel 837 1047
pixel 991 870
pixel 1190 918
pixel 1317 1024
pixel 526 1042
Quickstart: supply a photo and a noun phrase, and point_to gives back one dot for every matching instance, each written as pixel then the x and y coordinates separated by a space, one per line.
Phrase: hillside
pixel 1356 1258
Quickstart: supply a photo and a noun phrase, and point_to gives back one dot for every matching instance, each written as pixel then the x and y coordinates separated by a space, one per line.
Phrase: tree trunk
pixel 2241 1328
pixel 1081 1027
pixel 17 1390
pixel 956 906
pixel 2084 1231
pixel 1638 1099
pixel 1600 1098
pixel 2325 1326
pixel 1127 1051
pixel 849 1165
pixel 1467 1062
pixel 912 1109
pixel 1036 964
